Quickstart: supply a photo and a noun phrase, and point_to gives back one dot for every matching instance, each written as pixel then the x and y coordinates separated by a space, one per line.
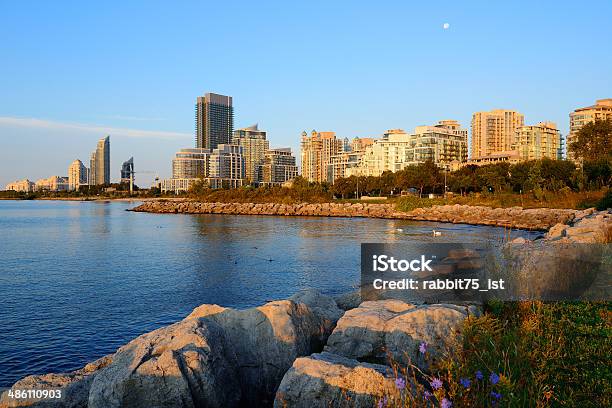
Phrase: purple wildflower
pixel 436 384
pixel 382 403
pixel 494 378
pixel 400 383
pixel 445 403
pixel 465 382
pixel 479 375
pixel 427 395
pixel 423 347
pixel 496 395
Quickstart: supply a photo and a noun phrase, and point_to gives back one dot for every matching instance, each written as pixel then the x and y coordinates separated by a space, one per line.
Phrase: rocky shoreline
pixel 310 350
pixel 515 217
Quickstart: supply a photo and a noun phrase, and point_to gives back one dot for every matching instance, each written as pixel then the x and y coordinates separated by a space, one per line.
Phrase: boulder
pixel 360 333
pixel 267 340
pixel 187 364
pixel 74 387
pixel 377 330
pixel 348 301
pixel 329 380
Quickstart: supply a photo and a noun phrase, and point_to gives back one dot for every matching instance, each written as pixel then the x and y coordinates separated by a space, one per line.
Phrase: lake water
pixel 79 279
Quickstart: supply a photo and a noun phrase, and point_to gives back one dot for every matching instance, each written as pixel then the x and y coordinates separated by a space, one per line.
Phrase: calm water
pixel 79 279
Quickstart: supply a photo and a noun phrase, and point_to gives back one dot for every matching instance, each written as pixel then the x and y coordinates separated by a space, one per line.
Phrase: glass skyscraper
pixel 214 120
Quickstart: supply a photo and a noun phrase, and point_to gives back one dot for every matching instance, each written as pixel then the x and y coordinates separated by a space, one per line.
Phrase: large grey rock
pixel 377 330
pixel 348 301
pixel 74 387
pixel 329 380
pixel 188 364
pixel 360 333
pixel 321 305
pixel 267 340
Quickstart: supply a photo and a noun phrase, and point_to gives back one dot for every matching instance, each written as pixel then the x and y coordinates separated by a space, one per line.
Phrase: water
pixel 79 279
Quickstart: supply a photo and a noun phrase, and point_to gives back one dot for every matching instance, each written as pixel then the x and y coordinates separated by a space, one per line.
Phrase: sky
pixel 72 72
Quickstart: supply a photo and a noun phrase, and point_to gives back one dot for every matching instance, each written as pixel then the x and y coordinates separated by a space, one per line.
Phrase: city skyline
pixel 338 77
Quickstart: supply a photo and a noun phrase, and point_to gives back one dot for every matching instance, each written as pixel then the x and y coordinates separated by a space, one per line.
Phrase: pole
pixel 131 182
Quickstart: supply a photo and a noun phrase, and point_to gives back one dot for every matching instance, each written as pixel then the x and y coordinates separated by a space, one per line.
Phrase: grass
pixel 545 355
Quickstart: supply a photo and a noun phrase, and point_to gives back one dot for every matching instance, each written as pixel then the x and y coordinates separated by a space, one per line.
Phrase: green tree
pixel 593 141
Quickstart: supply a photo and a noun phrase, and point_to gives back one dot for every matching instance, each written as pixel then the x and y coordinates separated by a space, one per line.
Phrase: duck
pixel 436 233
pixel 399 230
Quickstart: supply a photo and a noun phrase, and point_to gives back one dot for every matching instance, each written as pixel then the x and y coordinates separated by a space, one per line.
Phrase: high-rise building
pixel 127 171
pixel 278 166
pixel 538 142
pixel 254 146
pixel 602 110
pixel 316 152
pixel 99 166
pixel 214 120
pixel 494 131
pixel 78 175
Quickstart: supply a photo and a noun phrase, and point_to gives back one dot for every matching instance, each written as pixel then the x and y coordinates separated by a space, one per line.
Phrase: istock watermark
pixel 451 272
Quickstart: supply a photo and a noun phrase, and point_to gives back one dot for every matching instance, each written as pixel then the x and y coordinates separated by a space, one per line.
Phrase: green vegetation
pixel 520 354
pixel 301 191
pixel 555 354
pixel 593 142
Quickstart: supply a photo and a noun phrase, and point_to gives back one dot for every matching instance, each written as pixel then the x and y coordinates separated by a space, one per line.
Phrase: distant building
pixel 99 169
pixel 494 131
pixel 24 186
pixel 222 167
pixel 316 152
pixel 214 120
pixel 78 175
pixel 602 110
pixel 340 164
pixel 53 183
pixel 254 146
pixel 191 163
pixel 441 143
pixel 278 167
pixel 227 165
pixel 510 156
pixel 359 144
pixel 538 142
pixel 127 171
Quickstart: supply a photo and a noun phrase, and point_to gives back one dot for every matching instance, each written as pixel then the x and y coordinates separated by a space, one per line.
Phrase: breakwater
pixel 513 217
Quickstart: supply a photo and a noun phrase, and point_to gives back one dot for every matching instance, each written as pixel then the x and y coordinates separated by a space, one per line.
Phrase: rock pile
pixel 515 217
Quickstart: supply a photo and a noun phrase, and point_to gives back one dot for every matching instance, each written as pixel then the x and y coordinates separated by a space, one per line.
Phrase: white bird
pixel 399 230
pixel 436 233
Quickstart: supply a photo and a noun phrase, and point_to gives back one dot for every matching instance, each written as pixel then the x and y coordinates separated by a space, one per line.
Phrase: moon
pixel 445 26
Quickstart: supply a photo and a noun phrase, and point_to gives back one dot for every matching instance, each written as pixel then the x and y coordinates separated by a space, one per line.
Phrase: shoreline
pixel 538 219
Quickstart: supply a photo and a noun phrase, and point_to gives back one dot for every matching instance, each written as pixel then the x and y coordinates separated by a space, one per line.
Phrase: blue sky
pixel 71 72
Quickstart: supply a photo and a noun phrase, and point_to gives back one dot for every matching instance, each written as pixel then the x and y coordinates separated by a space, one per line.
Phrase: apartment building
pixel 214 117
pixel 441 143
pixel 53 183
pixel 99 164
pixel 539 141
pixel 254 147
pixel 494 131
pixel 279 167
pixel 78 175
pixel 23 186
pixel 316 152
